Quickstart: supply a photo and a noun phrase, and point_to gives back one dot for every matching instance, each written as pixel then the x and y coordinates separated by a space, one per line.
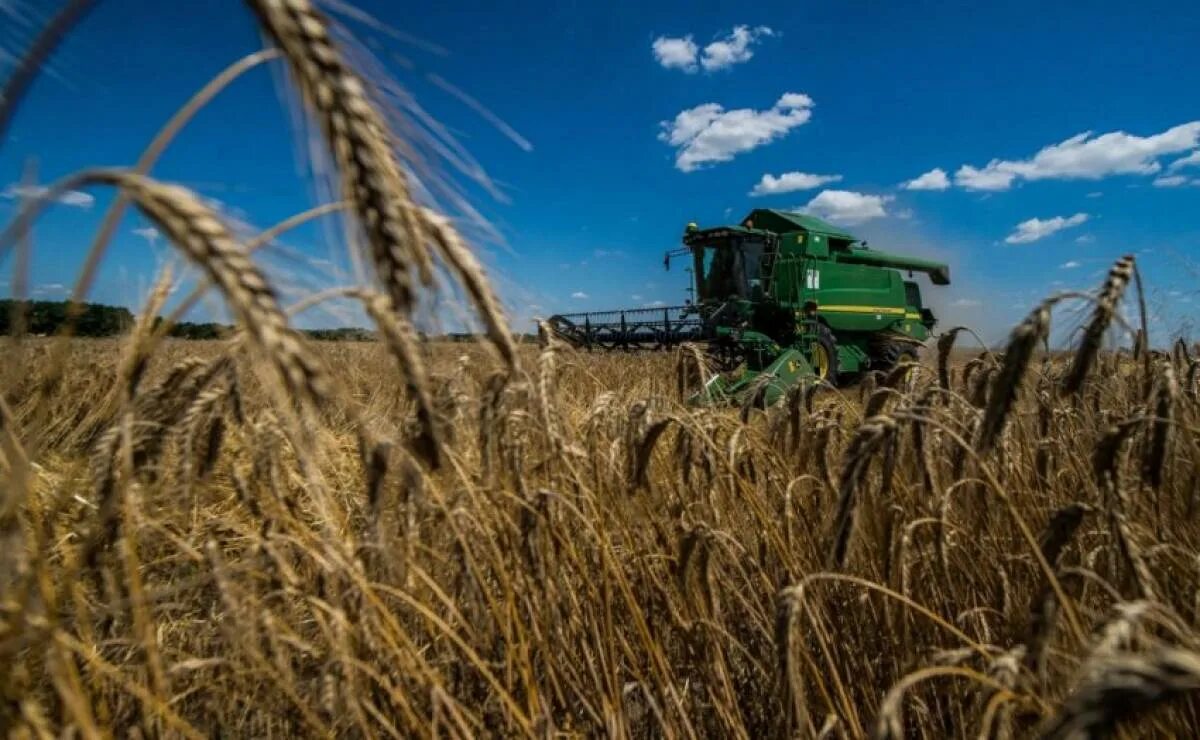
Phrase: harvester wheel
pixel 825 356
pixel 892 354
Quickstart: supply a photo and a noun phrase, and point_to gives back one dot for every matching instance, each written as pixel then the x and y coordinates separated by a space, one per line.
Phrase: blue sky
pixel 1027 145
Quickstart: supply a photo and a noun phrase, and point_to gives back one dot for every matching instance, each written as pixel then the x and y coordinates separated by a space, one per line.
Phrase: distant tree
pixel 48 317
pixel 209 330
pixel 98 320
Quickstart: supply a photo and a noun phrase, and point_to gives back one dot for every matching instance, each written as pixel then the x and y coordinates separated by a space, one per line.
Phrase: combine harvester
pixel 783 295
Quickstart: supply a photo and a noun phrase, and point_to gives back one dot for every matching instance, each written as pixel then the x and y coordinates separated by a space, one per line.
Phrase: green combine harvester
pixel 782 298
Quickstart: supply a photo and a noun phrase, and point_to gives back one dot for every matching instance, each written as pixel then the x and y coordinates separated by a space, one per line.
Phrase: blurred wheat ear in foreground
pixel 270 537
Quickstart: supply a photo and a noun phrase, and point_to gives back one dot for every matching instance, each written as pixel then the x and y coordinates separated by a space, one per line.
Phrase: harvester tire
pixel 892 354
pixel 825 355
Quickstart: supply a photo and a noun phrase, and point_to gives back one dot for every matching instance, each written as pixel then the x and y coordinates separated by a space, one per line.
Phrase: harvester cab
pixel 785 298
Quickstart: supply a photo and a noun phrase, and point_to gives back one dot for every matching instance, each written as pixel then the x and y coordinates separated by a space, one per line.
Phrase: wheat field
pixel 591 556
pixel 265 536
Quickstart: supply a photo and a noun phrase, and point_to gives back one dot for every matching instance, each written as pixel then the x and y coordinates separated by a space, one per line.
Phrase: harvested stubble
pixel 525 542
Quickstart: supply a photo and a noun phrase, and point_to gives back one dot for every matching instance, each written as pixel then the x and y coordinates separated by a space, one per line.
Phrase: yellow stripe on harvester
pixel 891 310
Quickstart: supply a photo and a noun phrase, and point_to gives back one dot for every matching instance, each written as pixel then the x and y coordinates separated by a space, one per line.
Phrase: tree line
pixel 45 318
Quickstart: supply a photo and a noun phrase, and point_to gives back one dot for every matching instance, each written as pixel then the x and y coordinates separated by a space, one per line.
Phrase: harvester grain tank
pixel 783 294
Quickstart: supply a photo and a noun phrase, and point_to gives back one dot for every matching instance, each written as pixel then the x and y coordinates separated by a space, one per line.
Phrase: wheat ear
pixel 1007 382
pixel 196 230
pixel 1122 687
pixel 359 139
pixel 1102 316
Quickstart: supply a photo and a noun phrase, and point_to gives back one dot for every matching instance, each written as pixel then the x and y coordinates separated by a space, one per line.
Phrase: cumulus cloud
pixel 1036 228
pixel 708 133
pixel 73 198
pixel 1084 157
pixel 847 207
pixel 934 179
pixel 790 182
pixel 988 178
pixel 1191 160
pixel 1070 265
pixel 1170 181
pixel 734 48
pixel 682 52
pixel 676 53
pixel 579 294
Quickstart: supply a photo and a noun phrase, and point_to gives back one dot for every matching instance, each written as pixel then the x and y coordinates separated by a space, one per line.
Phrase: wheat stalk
pixel 401 339
pixel 1166 394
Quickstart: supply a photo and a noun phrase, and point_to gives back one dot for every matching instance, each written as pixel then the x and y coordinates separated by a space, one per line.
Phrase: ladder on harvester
pixel 766 269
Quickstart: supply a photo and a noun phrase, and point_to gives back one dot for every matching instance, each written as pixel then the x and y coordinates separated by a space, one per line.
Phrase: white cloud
pixel 791 181
pixel 149 233
pixel 1084 157
pixel 655 304
pixel 934 179
pixel 1170 181
pixel 966 303
pixel 47 289
pixel 675 53
pixel 847 207
pixel 989 178
pixel 1191 160
pixel 681 52
pixel 1085 239
pixel 1036 228
pixel 1070 265
pixel 76 199
pixel 579 294
pixel 708 133
pixel 73 198
pixel 1095 194
pixel 734 48
pixel 635 297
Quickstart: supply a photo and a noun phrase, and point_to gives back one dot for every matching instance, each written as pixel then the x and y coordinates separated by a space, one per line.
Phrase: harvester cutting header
pixel 780 293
